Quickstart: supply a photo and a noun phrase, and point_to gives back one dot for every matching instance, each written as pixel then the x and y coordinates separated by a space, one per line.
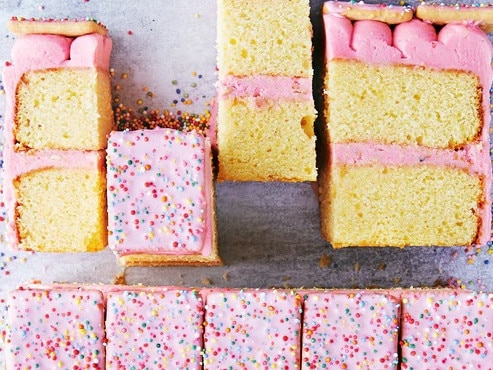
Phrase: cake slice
pixel 407 123
pixel 265 108
pixel 58 114
pixel 161 202
pixel 350 330
pixel 252 328
pixel 154 328
pixel 51 329
pixel 446 329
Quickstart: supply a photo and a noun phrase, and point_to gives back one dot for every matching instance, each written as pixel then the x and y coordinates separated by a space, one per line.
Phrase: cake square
pixel 161 205
pixel 350 330
pixel 50 329
pixel 265 108
pixel 252 328
pixel 406 145
pixel 449 329
pixel 154 328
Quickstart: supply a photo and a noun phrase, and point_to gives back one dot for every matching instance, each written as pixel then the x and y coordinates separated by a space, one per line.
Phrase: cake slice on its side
pixel 407 123
pixel 57 120
pixel 250 328
pixel 350 330
pixel 161 201
pixel 154 328
pixel 265 108
pixel 449 329
pixel 62 328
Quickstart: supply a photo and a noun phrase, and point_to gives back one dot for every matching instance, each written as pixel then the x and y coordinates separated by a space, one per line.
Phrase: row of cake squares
pixel 404 155
pixel 135 327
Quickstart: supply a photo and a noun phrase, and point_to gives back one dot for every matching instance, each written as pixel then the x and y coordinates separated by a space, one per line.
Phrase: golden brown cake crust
pixel 443 14
pixel 359 12
pixel 20 26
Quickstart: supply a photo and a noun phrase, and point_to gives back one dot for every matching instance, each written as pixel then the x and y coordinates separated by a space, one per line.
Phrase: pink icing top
pixel 447 329
pixel 36 52
pixel 252 329
pixel 456 47
pixel 159 192
pixel 348 329
pixel 154 328
pixel 55 329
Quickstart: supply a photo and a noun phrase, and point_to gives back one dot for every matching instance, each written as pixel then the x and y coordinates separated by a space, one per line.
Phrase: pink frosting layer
pixel 353 330
pixel 50 330
pixel 471 158
pixel 265 87
pixel 37 52
pixel 246 328
pixel 159 193
pixel 455 47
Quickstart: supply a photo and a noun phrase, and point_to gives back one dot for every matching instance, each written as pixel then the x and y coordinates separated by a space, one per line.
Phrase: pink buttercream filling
pixel 455 47
pixel 266 87
pixel 38 52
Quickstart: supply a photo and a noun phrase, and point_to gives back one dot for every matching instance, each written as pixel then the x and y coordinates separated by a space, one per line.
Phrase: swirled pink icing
pixel 159 193
pixel 456 46
pixel 38 52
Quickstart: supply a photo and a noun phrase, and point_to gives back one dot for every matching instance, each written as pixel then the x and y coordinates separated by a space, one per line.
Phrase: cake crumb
pixel 381 266
pixel 119 278
pixel 226 276
pixel 206 281
pixel 357 267
pixel 325 261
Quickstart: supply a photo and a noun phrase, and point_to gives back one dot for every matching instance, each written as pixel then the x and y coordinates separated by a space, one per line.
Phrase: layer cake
pixel 407 131
pixel 57 118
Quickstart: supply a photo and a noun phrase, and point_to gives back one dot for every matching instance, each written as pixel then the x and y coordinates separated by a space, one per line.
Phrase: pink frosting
pixel 55 329
pixel 470 159
pixel 265 87
pixel 455 47
pixel 159 193
pixel 171 337
pixel 353 330
pixel 248 328
pixel 446 329
pixel 37 52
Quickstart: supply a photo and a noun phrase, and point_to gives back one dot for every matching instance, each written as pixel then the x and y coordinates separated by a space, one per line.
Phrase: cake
pixel 446 329
pixel 121 326
pixel 250 328
pixel 58 114
pixel 161 202
pixel 350 330
pixel 155 328
pixel 51 329
pixel 265 109
pixel 407 118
